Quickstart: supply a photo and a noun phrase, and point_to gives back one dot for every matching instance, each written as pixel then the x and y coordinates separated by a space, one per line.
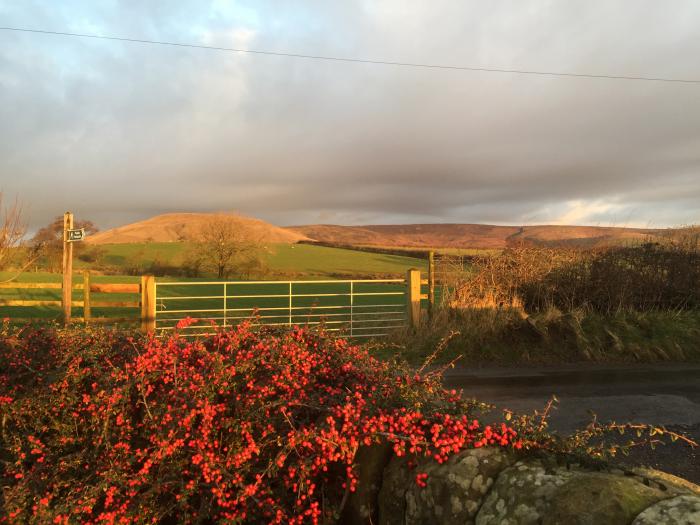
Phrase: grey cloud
pixel 295 141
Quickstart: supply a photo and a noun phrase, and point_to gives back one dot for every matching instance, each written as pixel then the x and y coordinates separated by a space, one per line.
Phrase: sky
pixel 118 132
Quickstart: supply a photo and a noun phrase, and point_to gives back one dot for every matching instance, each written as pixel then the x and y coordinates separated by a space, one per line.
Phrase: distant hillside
pixel 468 235
pixel 172 227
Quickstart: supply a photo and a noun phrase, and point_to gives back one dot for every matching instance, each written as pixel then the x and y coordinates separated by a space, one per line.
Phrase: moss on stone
pixel 599 498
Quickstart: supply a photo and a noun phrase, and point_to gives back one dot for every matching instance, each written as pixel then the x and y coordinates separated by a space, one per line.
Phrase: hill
pixel 172 227
pixel 468 235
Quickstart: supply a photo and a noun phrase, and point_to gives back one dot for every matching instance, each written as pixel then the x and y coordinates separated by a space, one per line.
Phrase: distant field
pixel 282 259
pixel 470 235
pixel 448 251
pixel 285 262
pixel 322 261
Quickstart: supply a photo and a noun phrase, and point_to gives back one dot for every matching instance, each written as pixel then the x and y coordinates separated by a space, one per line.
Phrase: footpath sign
pixel 75 235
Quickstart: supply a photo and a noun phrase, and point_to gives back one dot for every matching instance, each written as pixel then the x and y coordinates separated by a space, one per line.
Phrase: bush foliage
pixel 240 427
pixel 650 276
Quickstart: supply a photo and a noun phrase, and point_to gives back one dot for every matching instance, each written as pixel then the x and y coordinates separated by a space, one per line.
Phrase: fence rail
pixel 360 308
pixel 87 303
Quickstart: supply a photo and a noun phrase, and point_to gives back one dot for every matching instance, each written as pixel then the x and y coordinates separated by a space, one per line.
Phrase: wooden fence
pixel 144 300
pixel 87 302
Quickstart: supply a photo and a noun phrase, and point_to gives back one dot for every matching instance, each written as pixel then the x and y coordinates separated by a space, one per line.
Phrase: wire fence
pixel 450 268
pixel 355 308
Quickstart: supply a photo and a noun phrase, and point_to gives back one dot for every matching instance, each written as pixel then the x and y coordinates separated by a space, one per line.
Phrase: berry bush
pixel 241 427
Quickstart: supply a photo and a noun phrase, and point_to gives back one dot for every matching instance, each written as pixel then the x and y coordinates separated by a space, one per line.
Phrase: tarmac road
pixel 667 395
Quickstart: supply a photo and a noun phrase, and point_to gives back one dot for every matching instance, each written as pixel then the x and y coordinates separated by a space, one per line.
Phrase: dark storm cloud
pixel 119 132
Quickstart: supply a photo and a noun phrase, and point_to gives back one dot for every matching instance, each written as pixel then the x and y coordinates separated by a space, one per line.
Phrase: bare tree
pixel 49 241
pixel 226 248
pixel 12 230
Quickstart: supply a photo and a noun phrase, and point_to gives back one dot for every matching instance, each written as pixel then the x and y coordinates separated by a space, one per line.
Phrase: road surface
pixel 667 395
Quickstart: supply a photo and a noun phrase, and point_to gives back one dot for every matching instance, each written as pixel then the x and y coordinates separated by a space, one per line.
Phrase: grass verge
pixel 492 337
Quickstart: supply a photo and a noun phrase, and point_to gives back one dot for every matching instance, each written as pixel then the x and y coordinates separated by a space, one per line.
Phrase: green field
pixel 436 249
pixel 283 260
pixel 312 301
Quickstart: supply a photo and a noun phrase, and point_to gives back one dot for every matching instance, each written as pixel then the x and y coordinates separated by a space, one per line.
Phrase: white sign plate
pixel 75 235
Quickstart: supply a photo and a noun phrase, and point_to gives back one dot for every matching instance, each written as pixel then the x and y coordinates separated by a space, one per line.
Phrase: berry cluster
pixel 243 426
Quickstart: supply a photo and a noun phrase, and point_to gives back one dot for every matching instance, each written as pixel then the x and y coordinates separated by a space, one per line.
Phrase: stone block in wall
pixel 362 505
pixel 681 510
pixel 522 493
pixel 454 490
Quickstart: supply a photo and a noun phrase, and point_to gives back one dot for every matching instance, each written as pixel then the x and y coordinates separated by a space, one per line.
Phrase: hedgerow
pixel 241 427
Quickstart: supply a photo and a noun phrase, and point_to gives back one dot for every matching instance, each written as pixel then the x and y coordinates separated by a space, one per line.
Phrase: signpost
pixel 70 235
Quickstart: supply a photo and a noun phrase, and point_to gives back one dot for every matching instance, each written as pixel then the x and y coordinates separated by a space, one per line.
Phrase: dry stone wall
pixel 490 486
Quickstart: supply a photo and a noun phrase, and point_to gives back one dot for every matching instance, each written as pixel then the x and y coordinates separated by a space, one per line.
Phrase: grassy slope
pixel 319 260
pixel 282 259
pixel 170 227
pixel 119 254
pixel 466 235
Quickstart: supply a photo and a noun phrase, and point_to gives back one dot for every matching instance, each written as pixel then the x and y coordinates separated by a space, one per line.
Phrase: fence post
pixel 87 309
pixel 431 283
pixel 352 304
pixel 148 303
pixel 413 297
pixel 290 303
pixel 67 267
pixel 225 302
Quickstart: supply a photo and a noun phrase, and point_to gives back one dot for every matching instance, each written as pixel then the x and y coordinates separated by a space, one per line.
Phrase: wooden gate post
pixel 413 297
pixel 67 266
pixel 87 309
pixel 148 303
